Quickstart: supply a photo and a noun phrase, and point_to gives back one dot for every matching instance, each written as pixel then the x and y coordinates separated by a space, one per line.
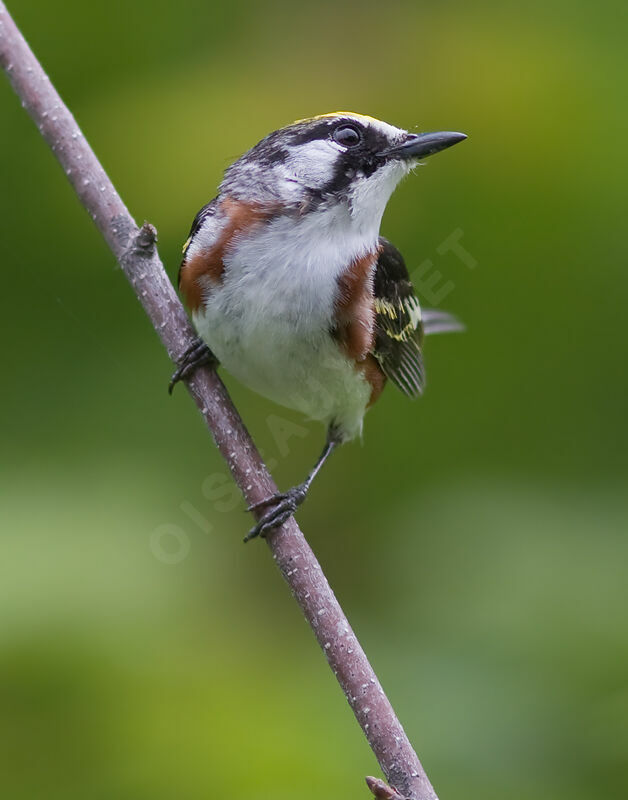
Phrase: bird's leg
pixel 197 355
pixel 284 504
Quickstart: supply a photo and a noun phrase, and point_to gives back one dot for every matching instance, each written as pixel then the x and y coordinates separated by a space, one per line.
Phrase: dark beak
pixel 423 144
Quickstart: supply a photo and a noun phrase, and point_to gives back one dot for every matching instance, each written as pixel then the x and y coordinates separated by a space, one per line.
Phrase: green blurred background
pixel 477 540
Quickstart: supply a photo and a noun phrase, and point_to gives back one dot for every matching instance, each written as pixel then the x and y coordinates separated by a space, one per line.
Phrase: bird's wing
pixel 207 211
pixel 398 326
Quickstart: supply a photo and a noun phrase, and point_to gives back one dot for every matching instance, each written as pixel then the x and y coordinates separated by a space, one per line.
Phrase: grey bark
pixel 135 250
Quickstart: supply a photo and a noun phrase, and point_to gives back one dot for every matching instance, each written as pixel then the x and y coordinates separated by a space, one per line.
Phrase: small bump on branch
pixel 382 790
pixel 146 237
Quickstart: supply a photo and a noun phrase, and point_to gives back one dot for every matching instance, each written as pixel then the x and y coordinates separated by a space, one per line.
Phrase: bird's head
pixel 341 160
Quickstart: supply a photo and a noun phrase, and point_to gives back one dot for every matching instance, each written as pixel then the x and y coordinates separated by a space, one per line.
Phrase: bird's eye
pixel 348 135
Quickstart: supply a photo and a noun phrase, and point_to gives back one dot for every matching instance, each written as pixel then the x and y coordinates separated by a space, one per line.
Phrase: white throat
pixel 369 196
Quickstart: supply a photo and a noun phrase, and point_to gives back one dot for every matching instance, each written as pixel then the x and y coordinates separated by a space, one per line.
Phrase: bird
pixel 291 287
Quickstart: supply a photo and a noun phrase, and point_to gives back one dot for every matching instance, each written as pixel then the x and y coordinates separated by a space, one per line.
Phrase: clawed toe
pixel 283 505
pixel 197 355
pixel 269 501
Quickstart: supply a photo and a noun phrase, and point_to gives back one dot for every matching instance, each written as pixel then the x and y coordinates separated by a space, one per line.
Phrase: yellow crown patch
pixel 353 114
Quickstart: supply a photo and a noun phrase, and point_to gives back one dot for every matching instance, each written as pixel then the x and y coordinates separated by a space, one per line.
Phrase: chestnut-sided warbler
pixel 293 290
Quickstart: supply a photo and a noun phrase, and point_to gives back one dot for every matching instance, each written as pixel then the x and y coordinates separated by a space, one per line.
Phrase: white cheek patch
pixel 313 163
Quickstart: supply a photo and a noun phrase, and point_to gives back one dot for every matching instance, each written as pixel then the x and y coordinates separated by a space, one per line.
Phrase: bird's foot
pixel 197 355
pixel 281 507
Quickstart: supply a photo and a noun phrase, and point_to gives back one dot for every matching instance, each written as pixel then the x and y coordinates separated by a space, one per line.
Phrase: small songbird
pixel 292 288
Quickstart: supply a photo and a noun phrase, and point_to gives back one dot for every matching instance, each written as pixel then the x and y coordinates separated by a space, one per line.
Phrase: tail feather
pixel 436 321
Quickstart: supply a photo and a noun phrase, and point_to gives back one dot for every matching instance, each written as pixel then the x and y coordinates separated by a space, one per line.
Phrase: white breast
pixel 269 320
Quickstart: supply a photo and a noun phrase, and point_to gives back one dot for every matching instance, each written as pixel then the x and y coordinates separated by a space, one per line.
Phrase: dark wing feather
pixel 398 328
pixel 207 211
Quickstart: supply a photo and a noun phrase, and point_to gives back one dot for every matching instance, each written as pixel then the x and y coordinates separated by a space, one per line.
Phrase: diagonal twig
pixel 135 250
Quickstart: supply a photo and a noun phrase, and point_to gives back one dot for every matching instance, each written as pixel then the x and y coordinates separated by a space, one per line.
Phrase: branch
pixel 135 250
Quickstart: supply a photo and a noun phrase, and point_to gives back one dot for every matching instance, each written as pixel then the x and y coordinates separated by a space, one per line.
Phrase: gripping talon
pixel 264 527
pixel 197 355
pixel 268 501
pixel 284 504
